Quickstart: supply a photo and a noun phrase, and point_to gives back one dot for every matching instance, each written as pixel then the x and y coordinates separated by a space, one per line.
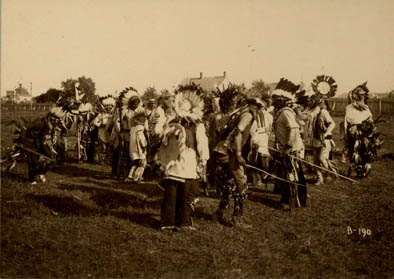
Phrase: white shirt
pixel 354 116
pixel 260 132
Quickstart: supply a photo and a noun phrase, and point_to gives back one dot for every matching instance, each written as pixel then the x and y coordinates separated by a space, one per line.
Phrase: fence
pixel 384 106
pixel 26 107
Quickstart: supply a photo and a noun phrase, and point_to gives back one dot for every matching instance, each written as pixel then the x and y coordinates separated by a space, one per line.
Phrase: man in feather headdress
pixel 103 123
pixel 361 136
pixel 229 152
pixel 289 144
pixel 183 154
pixel 128 102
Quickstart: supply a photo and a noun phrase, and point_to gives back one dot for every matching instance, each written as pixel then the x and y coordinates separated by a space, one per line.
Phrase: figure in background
pixel 138 147
pixel 114 140
pixel 289 144
pixel 260 132
pixel 150 107
pixel 157 122
pixel 128 102
pixel 103 122
pixel 85 114
pixel 361 137
pixel 323 144
pixel 183 154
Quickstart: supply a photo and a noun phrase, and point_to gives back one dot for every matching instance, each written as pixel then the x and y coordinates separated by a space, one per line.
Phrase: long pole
pixel 274 176
pixel 319 167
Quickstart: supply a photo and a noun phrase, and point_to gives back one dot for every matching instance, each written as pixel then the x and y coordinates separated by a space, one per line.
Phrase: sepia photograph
pixel 197 139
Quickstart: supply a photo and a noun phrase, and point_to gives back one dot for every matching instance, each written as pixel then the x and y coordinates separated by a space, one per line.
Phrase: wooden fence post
pixel 380 106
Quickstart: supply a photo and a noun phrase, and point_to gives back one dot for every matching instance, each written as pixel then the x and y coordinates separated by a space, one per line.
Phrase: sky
pixel 141 43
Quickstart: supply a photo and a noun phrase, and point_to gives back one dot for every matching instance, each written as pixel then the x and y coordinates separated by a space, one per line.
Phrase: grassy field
pixel 83 224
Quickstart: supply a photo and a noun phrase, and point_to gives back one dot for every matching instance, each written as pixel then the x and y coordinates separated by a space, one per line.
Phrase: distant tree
pixel 68 84
pixel 86 84
pixel 150 93
pixel 50 96
pixel 258 89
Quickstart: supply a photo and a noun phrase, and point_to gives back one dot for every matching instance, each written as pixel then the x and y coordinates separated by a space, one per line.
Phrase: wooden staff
pixel 319 167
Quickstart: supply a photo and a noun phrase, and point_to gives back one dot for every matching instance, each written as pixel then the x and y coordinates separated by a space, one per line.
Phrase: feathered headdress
pixel 63 105
pixel 105 104
pixel 285 90
pixel 57 111
pixel 189 104
pixel 127 94
pixel 324 86
pixel 108 100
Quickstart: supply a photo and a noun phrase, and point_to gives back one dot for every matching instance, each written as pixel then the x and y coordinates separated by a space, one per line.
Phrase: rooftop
pixel 206 83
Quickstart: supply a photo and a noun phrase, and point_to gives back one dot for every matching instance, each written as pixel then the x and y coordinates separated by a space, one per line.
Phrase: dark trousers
pixel 37 165
pixel 177 208
pixel 290 192
pixel 121 161
pixel 92 145
pixel 115 161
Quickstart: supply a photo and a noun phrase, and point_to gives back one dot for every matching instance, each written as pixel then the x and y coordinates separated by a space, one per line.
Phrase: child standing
pixel 138 147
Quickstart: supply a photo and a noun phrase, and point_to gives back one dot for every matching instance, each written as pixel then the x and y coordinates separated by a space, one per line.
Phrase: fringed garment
pixel 363 142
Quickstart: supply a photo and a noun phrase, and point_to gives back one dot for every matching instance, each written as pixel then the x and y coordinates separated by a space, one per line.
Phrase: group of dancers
pixel 223 139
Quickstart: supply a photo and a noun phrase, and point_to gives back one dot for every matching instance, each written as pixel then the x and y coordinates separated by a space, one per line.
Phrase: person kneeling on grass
pixel 183 155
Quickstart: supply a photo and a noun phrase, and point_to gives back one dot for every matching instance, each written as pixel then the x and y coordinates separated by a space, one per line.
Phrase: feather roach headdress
pixel 361 89
pixel 355 95
pixel 228 98
pixel 189 104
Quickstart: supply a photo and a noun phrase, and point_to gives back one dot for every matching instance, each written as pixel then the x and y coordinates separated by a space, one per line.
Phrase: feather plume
pixel 189 104
pixel 324 86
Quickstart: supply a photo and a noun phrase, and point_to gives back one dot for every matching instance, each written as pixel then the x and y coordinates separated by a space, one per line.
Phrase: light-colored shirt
pixel 180 160
pixel 329 122
pixel 354 116
pixel 137 148
pixel 285 124
pixel 261 130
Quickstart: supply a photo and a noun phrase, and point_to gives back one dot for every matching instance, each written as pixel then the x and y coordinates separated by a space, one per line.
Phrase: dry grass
pixel 83 224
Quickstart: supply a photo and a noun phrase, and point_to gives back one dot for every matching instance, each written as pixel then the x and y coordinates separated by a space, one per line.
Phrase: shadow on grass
pixel 15 177
pixel 148 188
pixel 67 206
pixel 75 171
pixel 112 199
pixel 264 197
pixel 143 219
